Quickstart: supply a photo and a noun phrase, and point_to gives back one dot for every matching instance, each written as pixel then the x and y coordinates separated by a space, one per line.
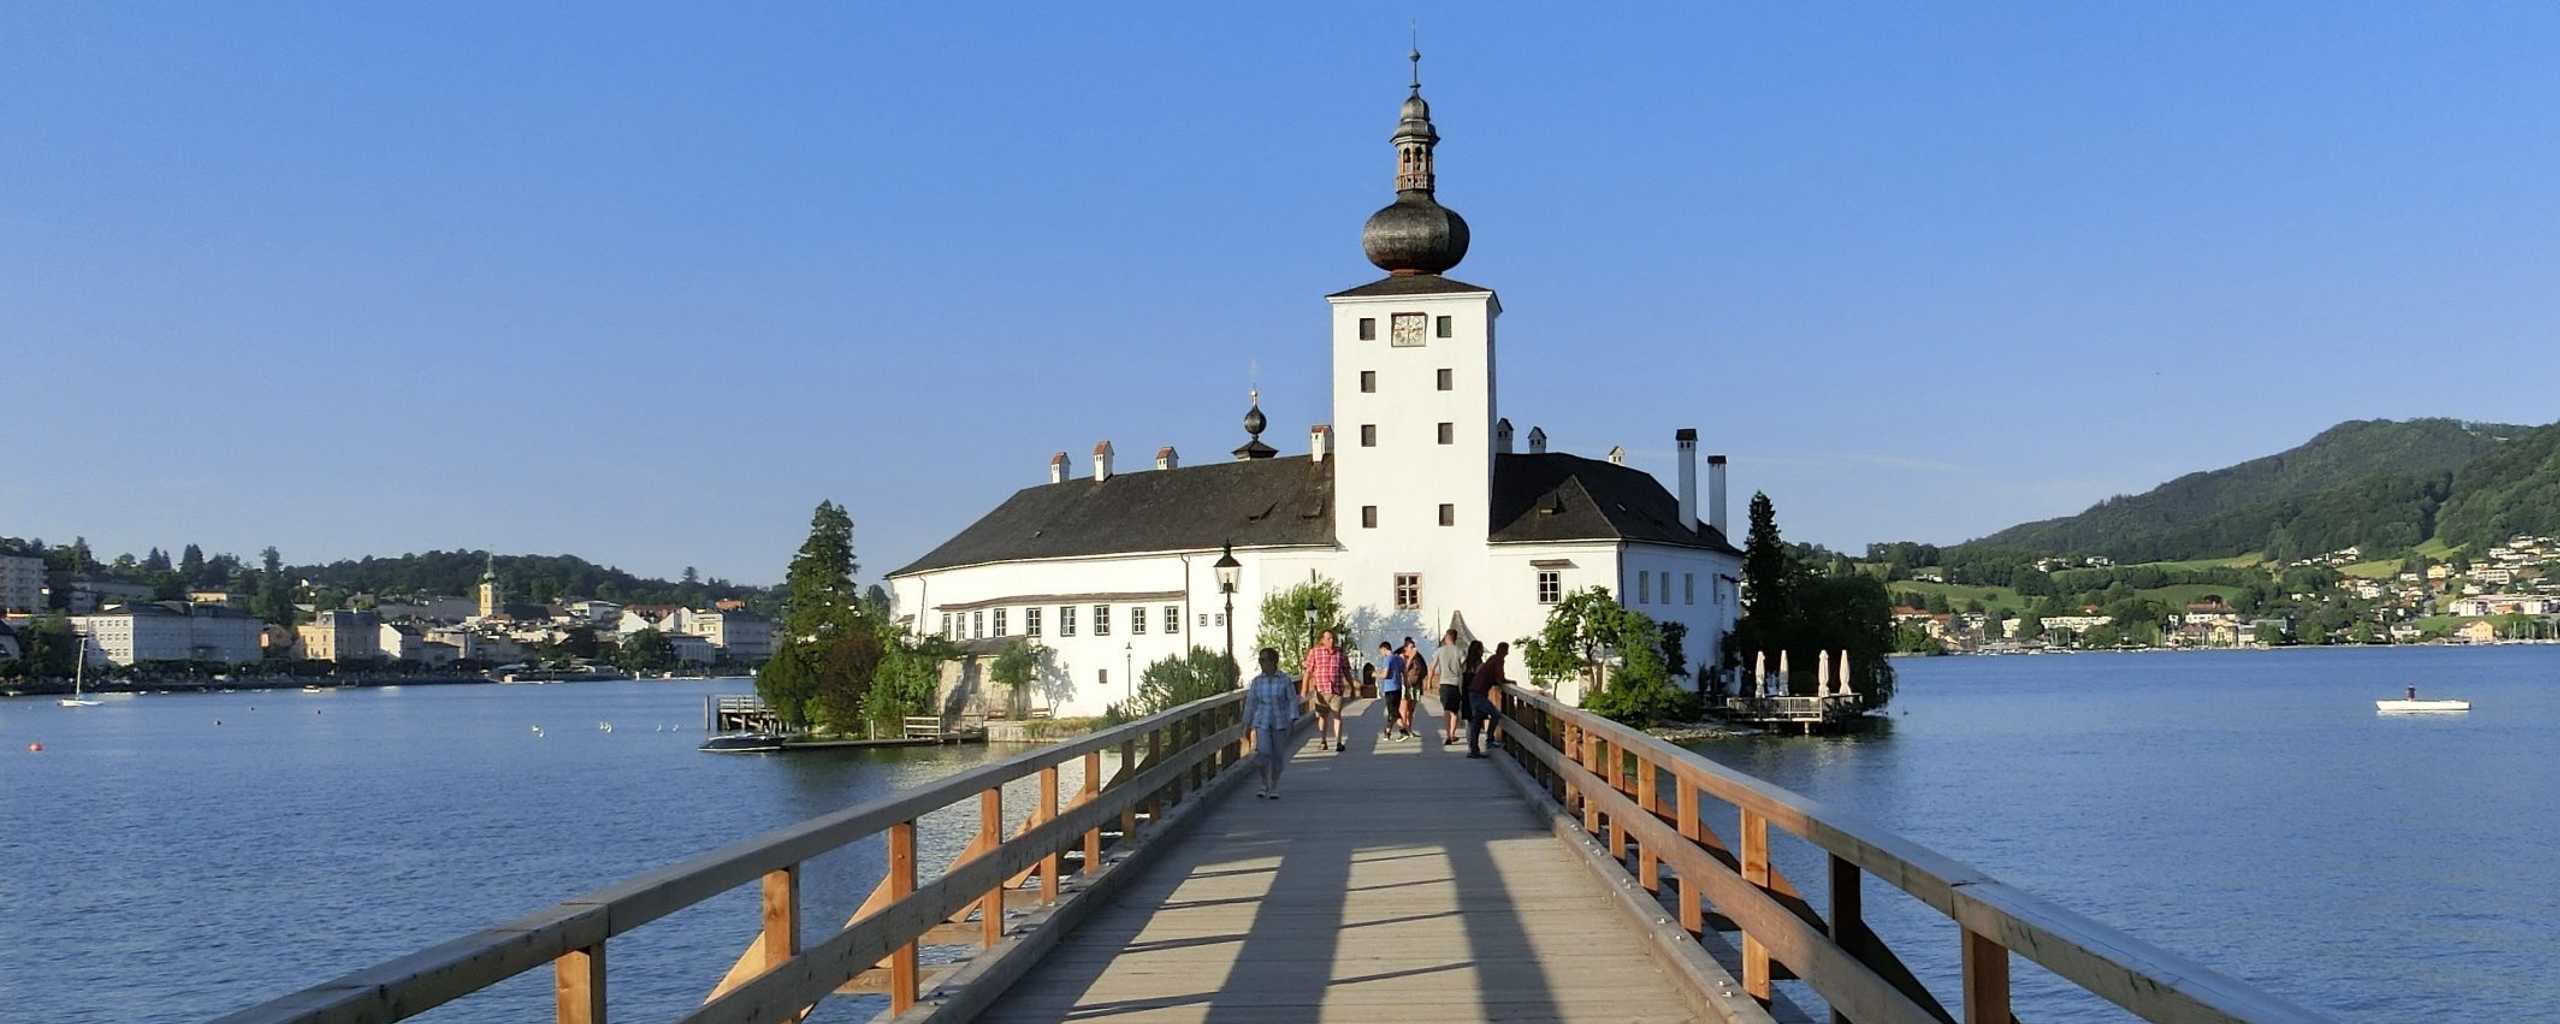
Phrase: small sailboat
pixel 2410 703
pixel 80 670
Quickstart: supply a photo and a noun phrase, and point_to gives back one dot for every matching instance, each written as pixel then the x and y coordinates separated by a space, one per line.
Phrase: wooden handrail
pixel 1996 919
pixel 572 933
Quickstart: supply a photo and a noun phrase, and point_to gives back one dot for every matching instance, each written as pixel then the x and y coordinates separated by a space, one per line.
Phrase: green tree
pixel 1993 628
pixel 1284 619
pixel 1179 679
pixel 646 651
pixel 820 606
pixel 1804 614
pixel 1768 570
pixel 47 648
pixel 1012 669
pixel 906 682
pixel 848 666
pixel 2031 626
pixel 275 596
pixel 1583 631
pixel 191 566
pixel 693 576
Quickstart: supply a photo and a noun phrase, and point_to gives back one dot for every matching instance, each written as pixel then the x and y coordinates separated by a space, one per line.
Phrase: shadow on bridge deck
pixel 1395 881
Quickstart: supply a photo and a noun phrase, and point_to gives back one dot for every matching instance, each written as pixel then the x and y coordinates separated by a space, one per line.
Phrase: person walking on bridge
pixel 1480 689
pixel 1414 673
pixel 1326 676
pixel 1450 669
pixel 1390 686
pixel 1270 708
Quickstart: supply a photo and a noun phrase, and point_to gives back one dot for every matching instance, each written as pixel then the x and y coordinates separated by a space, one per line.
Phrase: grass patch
pixel 2379 569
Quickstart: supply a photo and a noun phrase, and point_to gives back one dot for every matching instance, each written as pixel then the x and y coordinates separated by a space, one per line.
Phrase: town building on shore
pixel 1412 496
pixel 341 636
pixel 21 583
pixel 168 631
pixel 738 635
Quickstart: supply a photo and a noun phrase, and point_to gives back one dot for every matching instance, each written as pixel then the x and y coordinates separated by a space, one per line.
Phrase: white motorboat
pixel 2410 702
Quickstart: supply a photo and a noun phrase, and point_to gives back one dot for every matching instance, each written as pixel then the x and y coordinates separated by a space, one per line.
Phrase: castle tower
pixel 1413 392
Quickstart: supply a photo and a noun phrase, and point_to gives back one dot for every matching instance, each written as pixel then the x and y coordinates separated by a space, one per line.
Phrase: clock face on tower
pixel 1406 330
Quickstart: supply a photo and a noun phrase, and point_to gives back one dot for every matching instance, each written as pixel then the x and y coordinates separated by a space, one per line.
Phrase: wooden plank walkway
pixel 1395 881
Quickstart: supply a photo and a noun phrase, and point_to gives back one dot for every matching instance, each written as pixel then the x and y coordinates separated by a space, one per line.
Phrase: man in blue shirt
pixel 1391 687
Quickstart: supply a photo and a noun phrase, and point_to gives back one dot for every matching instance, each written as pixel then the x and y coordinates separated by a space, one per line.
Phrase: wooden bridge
pixel 1587 872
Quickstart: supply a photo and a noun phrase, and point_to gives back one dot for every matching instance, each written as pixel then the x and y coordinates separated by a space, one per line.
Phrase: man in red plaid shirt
pixel 1324 682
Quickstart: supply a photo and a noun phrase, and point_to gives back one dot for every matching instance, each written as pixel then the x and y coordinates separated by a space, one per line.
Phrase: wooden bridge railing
pixel 1162 757
pixel 1643 794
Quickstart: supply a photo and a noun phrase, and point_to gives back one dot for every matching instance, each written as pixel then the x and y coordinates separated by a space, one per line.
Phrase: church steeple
pixel 490 604
pixel 1415 234
pixel 1415 136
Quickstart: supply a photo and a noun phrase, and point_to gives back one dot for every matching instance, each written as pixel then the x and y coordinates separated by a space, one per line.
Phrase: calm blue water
pixel 170 858
pixel 2245 809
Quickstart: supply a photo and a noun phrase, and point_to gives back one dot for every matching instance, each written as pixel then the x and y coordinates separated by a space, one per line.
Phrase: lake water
pixel 2247 809
pixel 170 858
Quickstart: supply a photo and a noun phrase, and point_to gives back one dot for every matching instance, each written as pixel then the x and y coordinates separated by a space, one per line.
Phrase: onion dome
pixel 1415 234
pixel 1253 448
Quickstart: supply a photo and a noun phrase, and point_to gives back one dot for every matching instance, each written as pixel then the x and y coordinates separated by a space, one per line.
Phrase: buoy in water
pixel 35 748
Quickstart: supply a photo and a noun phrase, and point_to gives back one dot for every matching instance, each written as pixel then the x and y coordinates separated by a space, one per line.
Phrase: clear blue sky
pixel 646 283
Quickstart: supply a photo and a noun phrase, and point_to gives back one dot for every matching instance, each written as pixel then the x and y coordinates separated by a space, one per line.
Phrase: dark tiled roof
pixel 1409 284
pixel 1256 503
pixel 1553 496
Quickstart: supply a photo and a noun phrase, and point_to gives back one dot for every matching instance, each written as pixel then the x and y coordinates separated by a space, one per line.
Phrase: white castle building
pixel 1421 508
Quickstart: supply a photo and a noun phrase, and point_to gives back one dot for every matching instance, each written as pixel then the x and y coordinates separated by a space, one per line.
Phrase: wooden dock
pixel 1390 876
pixel 1587 872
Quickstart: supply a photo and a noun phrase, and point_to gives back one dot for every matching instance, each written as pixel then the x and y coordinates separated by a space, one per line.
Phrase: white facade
pixel 1431 515
pixel 136 633
pixel 21 583
pixel 742 636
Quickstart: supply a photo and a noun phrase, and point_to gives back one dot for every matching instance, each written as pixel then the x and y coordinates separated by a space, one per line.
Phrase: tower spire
pixel 1415 234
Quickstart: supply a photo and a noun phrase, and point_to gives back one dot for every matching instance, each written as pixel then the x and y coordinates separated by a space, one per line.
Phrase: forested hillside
pixel 525 578
pixel 2379 484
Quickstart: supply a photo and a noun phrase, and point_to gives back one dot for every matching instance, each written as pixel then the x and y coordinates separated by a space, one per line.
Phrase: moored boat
pixel 743 743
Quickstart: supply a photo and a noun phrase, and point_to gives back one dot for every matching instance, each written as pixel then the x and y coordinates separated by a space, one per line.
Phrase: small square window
pixel 1102 676
pixel 1102 620
pixel 1204 620
pixel 1369 517
pixel 1448 433
pixel 1550 586
pixel 1448 380
pixel 1368 382
pixel 1172 617
pixel 1448 514
pixel 1368 435
pixel 1408 591
pixel 1137 620
pixel 1368 328
pixel 1440 327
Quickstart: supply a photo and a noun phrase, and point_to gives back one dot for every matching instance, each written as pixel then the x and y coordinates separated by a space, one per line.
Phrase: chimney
pixel 1319 442
pixel 1502 436
pixel 1686 440
pixel 1715 496
pixel 1166 459
pixel 1102 462
pixel 1617 455
pixel 1058 468
pixel 1537 440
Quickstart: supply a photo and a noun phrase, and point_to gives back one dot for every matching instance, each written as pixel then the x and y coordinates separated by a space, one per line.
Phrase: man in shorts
pixel 1448 668
pixel 1325 677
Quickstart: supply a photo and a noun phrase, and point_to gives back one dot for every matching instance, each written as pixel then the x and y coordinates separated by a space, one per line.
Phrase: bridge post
pixel 1129 768
pixel 1091 791
pixel 1612 768
pixel 577 986
pixel 1693 911
pixel 1049 865
pixel 1755 870
pixel 780 898
pixel 902 884
pixel 991 832
pixel 1155 748
pixel 1847 915
pixel 1986 980
pixel 1649 797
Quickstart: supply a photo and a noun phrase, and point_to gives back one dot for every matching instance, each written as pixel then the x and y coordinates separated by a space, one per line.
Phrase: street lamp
pixel 1129 670
pixel 1229 570
pixel 1311 622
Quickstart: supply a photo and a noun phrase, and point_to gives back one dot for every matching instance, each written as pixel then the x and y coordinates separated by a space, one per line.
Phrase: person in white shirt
pixel 1270 708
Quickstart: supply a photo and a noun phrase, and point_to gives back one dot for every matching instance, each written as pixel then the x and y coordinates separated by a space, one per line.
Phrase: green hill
pixel 2380 484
